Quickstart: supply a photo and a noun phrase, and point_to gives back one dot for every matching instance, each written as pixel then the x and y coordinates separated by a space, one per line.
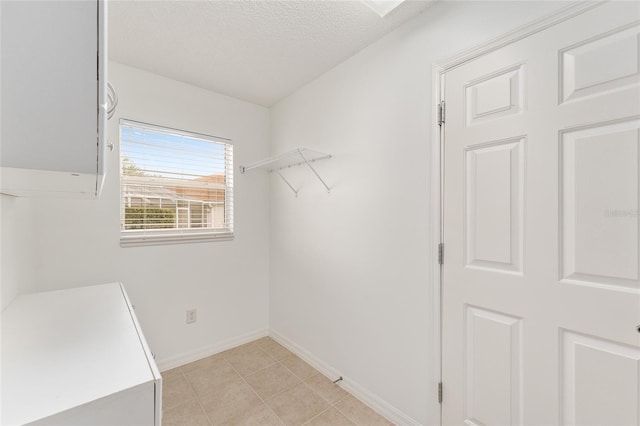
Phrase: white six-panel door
pixel 541 294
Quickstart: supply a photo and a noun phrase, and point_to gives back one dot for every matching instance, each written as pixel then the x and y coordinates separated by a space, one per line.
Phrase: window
pixel 176 186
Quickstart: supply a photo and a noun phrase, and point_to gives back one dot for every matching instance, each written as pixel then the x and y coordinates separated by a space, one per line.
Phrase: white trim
pixel 307 356
pixel 149 239
pixel 573 9
pixel 205 351
pixel 382 407
pixel 436 228
pixel 439 70
pixel 150 359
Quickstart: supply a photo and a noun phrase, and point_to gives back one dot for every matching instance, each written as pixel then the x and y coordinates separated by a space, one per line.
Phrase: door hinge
pixel 441 254
pixel 440 393
pixel 441 113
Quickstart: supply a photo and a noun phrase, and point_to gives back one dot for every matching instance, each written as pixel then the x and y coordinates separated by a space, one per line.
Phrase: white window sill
pixel 130 239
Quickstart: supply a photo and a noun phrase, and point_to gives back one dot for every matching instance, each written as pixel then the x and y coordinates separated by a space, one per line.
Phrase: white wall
pixel 351 272
pixel 78 241
pixel 17 248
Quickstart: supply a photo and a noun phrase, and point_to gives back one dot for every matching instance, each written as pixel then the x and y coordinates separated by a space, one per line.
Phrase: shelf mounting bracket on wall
pixel 287 182
pixel 289 159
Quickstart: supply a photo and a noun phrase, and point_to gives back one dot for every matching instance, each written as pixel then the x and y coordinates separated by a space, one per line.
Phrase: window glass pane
pixel 174 181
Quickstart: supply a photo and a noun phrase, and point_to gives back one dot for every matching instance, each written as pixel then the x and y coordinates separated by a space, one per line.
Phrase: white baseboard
pixel 383 408
pixel 194 355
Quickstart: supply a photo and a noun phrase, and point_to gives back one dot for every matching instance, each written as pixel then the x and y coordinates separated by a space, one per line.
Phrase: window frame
pixel 176 235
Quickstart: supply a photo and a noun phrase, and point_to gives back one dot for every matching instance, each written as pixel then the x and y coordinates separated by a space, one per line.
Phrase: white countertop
pixel 62 349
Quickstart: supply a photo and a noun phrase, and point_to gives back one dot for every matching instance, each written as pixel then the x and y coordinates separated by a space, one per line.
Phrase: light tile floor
pixel 260 383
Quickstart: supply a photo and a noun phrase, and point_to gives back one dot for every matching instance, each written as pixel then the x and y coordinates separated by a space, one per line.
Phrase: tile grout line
pixel 305 383
pixel 292 372
pixel 302 381
pixel 342 412
pixel 256 344
pixel 318 415
pixel 320 396
pixel 347 393
pixel 193 391
pixel 366 405
pixel 194 399
pixel 251 387
pixel 330 403
pixel 196 393
pixel 278 393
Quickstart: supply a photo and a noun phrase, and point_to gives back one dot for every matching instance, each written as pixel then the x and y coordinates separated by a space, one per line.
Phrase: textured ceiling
pixel 259 51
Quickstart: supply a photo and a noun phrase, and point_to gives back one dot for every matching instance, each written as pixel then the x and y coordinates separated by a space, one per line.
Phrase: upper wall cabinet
pixel 53 98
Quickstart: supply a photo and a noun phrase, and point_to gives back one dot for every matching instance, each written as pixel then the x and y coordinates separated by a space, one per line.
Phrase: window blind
pixel 176 186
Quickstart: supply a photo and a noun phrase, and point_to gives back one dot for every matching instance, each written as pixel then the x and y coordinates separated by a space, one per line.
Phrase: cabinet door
pixel 52 82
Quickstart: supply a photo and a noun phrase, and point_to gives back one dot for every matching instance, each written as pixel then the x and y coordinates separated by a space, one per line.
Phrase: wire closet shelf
pixel 293 158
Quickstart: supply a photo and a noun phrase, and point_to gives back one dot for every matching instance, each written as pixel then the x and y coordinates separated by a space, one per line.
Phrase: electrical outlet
pixel 191 316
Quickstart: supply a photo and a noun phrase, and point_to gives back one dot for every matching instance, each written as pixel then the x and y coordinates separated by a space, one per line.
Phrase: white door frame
pixel 439 70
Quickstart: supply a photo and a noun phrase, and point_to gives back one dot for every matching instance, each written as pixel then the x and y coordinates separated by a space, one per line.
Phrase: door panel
pixel 597 373
pixel 541 294
pixel 599 224
pixel 493 187
pixel 493 367
pixel 495 95
pixel 603 63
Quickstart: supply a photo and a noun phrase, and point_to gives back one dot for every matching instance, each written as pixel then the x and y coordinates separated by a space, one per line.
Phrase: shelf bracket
pixel 314 171
pixel 287 182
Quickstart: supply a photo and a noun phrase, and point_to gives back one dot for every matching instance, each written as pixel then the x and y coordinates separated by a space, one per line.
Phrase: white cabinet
pixel 53 103
pixel 77 357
